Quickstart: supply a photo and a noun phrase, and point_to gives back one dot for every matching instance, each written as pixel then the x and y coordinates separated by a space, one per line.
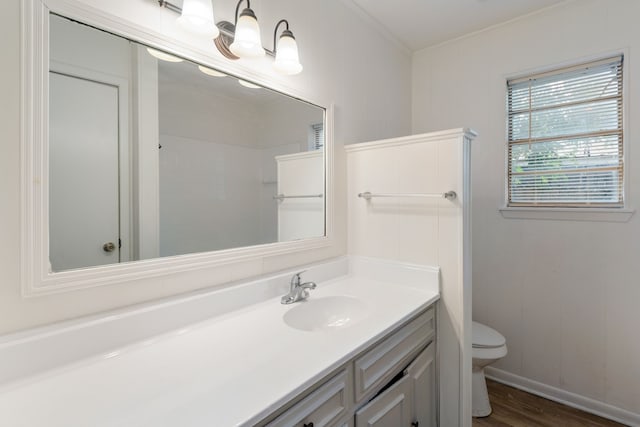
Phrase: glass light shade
pixel 248 84
pixel 247 42
pixel 163 56
pixel 287 61
pixel 197 17
pixel 210 72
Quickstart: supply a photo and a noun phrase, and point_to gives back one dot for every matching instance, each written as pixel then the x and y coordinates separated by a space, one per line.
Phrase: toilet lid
pixel 485 337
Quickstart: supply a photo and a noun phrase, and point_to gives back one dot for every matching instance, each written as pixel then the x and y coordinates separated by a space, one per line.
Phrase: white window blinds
pixel 317 136
pixel 565 137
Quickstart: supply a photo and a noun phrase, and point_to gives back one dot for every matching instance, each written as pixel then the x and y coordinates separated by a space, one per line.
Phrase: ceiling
pixel 418 24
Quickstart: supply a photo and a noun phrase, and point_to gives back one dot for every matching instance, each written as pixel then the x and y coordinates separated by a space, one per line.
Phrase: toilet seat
pixel 486 337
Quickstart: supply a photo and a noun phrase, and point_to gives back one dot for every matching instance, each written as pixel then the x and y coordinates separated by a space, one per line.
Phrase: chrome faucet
pixel 297 291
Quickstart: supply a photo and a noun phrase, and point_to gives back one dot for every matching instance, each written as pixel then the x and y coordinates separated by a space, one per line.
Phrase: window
pixel 565 137
pixel 316 137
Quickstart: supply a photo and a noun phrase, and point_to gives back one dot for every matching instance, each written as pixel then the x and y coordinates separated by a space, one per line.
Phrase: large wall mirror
pixel 228 163
pixel 138 162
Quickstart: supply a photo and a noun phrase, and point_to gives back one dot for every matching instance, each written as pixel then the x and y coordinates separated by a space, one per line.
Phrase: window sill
pixel 569 214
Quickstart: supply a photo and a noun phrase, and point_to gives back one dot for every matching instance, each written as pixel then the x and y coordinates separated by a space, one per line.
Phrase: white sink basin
pixel 326 313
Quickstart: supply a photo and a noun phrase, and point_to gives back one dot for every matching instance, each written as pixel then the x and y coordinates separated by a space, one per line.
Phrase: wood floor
pixel 516 408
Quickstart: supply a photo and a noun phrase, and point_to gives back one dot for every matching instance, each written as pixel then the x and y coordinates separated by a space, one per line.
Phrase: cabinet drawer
pixel 383 362
pixel 323 407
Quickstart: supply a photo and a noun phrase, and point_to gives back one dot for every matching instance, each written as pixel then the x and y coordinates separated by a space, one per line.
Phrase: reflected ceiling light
pixel 197 17
pixel 210 71
pixel 247 42
pixel 248 84
pixel 242 38
pixel 163 56
pixel 287 60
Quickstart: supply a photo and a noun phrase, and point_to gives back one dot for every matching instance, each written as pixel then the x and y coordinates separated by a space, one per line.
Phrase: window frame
pixel 621 213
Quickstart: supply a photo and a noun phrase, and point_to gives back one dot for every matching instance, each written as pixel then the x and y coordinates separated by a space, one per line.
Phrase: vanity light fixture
pixel 210 71
pixel 197 17
pixel 163 56
pixel 247 42
pixel 287 61
pixel 241 39
pixel 248 84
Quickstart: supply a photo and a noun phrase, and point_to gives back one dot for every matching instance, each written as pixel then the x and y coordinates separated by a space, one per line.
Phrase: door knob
pixel 109 247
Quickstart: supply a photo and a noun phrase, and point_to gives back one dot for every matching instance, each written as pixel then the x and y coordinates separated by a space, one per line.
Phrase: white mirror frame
pixel 36 278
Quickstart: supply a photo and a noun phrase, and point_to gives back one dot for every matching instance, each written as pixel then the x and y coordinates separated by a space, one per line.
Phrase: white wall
pixel 201 111
pixel 363 86
pixel 217 196
pixel 564 293
pixel 209 196
pixel 278 117
pixel 423 231
pixel 144 155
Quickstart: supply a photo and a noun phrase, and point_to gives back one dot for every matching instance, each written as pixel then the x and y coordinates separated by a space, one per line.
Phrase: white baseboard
pixel 574 400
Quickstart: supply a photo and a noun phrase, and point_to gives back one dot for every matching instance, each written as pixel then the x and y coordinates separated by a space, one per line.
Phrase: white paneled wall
pixel 269 183
pixel 564 293
pixel 300 174
pixel 426 231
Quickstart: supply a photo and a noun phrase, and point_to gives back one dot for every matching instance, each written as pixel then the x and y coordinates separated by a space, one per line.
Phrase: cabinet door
pixel 392 408
pixel 323 407
pixel 421 375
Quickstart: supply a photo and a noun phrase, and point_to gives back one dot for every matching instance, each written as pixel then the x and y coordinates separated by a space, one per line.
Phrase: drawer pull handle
pixel 308 425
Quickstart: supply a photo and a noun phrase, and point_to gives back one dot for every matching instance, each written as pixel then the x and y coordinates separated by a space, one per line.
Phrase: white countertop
pixel 231 370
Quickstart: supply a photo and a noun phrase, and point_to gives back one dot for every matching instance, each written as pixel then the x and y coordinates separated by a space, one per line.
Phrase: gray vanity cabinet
pixel 390 384
pixel 323 407
pixel 392 408
pixel 421 374
pixel 408 402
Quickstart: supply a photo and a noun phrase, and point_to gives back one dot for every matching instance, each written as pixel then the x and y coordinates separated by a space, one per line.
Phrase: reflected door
pixel 83 173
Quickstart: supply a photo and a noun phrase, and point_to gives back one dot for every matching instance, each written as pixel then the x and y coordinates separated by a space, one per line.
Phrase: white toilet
pixel 488 346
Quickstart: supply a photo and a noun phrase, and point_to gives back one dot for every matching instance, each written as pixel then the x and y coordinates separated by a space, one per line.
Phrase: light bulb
pixel 248 84
pixel 197 17
pixel 163 56
pixel 287 60
pixel 211 72
pixel 247 42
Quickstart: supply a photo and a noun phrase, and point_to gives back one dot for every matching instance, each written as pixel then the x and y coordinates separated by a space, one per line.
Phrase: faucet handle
pixel 295 279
